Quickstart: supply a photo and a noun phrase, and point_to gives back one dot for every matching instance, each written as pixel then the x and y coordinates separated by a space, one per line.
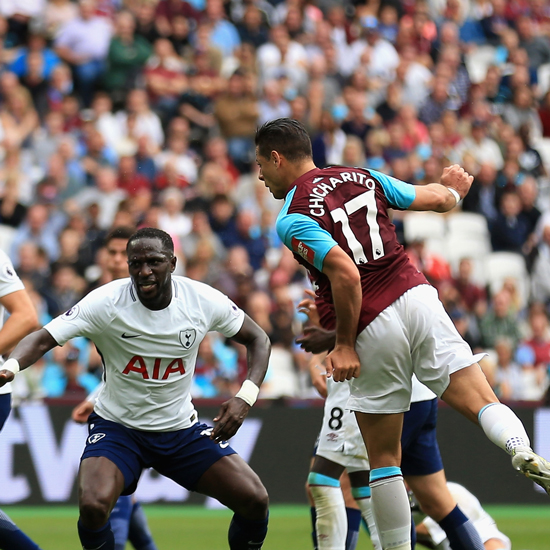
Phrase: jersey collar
pixel 303 178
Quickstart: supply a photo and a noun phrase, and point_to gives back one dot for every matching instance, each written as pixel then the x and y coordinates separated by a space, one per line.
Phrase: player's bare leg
pixel 382 435
pixel 361 491
pixel 231 481
pixel 100 483
pixel 470 393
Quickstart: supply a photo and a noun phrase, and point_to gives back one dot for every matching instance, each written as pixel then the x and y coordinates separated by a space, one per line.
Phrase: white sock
pixel 365 505
pixel 503 427
pixel 332 522
pixel 391 506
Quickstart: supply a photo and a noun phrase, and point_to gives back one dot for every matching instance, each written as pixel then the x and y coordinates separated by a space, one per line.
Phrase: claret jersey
pixel 349 207
pixel 149 356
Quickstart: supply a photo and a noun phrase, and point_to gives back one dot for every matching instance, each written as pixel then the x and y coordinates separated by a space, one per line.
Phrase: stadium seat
pixel 543 76
pixel 7 233
pixel 477 62
pixel 423 226
pixel 467 225
pixel 477 249
pixel 502 265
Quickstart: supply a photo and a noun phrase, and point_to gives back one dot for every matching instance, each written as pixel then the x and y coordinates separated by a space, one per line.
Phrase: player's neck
pixel 298 169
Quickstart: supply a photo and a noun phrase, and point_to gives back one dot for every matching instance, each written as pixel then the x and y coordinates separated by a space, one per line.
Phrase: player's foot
pixel 533 466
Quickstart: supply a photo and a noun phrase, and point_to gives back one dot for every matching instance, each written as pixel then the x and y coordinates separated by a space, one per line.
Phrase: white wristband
pixel 248 392
pixel 11 365
pixel 455 194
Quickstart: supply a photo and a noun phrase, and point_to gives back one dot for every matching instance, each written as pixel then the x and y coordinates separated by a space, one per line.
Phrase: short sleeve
pixel 227 318
pixel 9 280
pixel 88 318
pixel 399 193
pixel 305 237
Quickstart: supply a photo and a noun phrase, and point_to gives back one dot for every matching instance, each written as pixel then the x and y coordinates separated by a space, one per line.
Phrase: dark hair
pixel 286 136
pixel 120 232
pixel 153 233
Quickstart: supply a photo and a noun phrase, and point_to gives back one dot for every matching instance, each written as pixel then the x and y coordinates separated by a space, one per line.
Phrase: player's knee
pixel 255 503
pixel 94 510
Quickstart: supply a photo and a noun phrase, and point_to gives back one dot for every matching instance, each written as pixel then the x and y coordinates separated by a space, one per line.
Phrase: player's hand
pixel 307 306
pixel 230 418
pixel 5 377
pixel 342 363
pixel 318 375
pixel 316 339
pixel 82 411
pixel 456 177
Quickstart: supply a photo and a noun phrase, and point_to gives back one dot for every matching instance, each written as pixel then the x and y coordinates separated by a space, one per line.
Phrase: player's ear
pixel 276 158
pixel 173 263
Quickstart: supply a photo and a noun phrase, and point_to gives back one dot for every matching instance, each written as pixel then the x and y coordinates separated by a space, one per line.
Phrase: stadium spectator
pixel 83 43
pixel 499 322
pixel 127 55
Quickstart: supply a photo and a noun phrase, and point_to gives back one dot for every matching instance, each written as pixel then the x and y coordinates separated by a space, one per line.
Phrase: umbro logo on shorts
pixel 95 438
pixel 124 335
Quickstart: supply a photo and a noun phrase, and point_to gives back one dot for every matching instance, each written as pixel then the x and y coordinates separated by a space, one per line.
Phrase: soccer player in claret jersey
pixel 389 321
pixel 148 329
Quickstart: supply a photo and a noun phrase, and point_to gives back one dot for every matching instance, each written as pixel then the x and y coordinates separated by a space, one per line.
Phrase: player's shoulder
pixel 8 275
pixel 117 293
pixel 185 287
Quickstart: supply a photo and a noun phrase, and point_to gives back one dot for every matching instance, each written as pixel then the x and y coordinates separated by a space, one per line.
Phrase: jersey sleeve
pixel 305 237
pixel 88 318
pixel 226 318
pixel 9 280
pixel 399 193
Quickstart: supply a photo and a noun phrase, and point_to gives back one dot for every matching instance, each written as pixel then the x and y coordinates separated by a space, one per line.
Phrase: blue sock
pixel 313 529
pixel 12 538
pixel 139 534
pixel 94 539
pixel 120 521
pixel 354 522
pixel 460 531
pixel 413 533
pixel 246 534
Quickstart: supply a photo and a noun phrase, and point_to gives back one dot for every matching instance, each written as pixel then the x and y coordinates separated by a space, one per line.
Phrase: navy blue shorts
pixel 182 455
pixel 420 451
pixel 5 408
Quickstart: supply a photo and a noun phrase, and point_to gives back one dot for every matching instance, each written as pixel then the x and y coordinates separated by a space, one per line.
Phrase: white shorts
pixel 413 335
pixel 340 440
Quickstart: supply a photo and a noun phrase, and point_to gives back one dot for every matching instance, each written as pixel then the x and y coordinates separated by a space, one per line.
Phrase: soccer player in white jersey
pixel 22 320
pixel 148 329
pixel 430 534
pixel 128 520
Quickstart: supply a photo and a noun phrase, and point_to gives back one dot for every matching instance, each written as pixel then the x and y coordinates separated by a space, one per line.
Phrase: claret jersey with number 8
pixel 349 207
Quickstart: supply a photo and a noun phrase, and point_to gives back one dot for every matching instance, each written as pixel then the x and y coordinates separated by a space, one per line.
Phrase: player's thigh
pixel 437 349
pixel 384 385
pixel 100 482
pixel 432 494
pixel 233 482
pixel 382 435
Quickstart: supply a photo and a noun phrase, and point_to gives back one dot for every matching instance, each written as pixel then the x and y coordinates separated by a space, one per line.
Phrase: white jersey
pixel 9 283
pixel 470 505
pixel 148 356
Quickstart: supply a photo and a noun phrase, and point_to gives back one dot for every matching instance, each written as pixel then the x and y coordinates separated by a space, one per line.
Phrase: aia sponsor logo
pixel 158 371
pixel 303 250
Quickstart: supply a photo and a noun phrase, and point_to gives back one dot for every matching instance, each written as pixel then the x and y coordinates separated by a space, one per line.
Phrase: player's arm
pixel 22 319
pixel 26 353
pixel 233 412
pixel 342 362
pixel 315 338
pixel 453 186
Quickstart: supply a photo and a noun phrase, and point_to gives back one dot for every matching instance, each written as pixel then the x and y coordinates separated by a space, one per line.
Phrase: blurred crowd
pixel 143 113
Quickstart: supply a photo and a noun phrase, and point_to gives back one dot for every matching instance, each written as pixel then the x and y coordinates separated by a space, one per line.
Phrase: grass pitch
pixel 194 528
